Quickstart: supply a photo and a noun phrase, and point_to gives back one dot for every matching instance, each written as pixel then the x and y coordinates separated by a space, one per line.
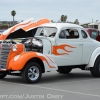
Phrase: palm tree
pixel 63 18
pixel 76 22
pixel 13 13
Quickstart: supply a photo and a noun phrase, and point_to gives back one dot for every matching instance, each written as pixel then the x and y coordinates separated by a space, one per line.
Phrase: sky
pixel 83 10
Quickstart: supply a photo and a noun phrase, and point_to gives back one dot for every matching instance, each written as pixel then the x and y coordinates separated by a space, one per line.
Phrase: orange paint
pixel 43 58
pixel 36 24
pixel 49 59
pixel 22 60
pixel 20 49
pixel 30 26
pixel 3 37
pixel 55 48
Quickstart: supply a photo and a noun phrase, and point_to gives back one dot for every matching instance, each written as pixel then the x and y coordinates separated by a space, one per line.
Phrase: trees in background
pixel 13 13
pixel 63 18
pixel 76 21
pixel 97 20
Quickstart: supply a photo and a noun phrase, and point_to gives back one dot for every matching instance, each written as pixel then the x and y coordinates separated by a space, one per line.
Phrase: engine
pixel 34 45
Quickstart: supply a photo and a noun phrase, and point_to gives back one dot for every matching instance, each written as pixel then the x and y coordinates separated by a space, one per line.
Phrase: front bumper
pixel 1 68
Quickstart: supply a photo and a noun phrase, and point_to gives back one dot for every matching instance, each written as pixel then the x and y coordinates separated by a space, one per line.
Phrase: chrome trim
pixel 3 69
pixel 4 53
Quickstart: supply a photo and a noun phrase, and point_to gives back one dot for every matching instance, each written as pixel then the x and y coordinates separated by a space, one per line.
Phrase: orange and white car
pixel 49 47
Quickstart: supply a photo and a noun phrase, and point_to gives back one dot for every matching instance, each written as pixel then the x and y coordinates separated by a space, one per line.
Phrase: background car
pixel 93 32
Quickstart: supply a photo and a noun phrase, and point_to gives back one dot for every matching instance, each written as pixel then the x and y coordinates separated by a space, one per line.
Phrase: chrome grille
pixel 4 52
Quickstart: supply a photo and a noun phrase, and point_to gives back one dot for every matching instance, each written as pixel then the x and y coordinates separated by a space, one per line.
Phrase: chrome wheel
pixel 33 73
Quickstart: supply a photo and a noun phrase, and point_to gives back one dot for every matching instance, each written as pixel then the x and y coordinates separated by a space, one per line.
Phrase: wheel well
pixel 96 58
pixel 93 61
pixel 39 61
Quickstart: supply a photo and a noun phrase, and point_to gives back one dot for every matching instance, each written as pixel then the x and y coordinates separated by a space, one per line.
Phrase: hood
pixel 14 28
pixel 20 31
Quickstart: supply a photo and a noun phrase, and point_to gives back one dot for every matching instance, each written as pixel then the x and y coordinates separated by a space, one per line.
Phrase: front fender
pixel 19 61
pixel 94 55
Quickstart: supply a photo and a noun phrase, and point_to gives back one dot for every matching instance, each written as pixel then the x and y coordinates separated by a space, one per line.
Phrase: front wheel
pixel 2 75
pixel 64 70
pixel 95 71
pixel 32 72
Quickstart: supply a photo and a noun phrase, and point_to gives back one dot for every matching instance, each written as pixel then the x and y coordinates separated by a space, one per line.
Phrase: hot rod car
pixel 48 47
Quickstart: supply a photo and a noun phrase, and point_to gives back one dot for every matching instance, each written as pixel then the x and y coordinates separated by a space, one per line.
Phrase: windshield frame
pixel 43 27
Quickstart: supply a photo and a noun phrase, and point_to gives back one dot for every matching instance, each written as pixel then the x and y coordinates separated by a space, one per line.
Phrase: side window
pixel 69 34
pixel 73 34
pixel 63 34
pixel 84 34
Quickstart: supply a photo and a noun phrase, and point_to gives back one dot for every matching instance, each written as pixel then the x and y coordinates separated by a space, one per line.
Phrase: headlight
pixel 14 48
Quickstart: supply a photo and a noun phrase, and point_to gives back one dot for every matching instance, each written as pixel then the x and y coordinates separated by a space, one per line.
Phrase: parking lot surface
pixel 78 85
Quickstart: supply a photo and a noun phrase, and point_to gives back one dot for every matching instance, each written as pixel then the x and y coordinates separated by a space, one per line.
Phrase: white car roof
pixel 61 25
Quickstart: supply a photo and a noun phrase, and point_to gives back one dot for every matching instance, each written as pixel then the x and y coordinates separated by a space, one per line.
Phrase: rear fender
pixel 94 56
pixel 19 61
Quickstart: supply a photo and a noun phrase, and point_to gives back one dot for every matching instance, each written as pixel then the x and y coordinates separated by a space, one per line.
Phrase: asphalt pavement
pixel 78 85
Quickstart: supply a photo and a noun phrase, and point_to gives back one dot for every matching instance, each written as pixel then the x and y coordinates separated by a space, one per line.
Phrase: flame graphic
pixel 3 36
pixel 36 24
pixel 14 28
pixel 47 59
pixel 62 47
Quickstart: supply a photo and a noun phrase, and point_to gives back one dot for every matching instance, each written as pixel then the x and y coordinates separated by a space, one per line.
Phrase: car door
pixel 68 49
pixel 89 45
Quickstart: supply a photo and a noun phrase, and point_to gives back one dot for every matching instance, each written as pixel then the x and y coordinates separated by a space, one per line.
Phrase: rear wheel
pixel 95 71
pixel 2 75
pixel 32 72
pixel 64 70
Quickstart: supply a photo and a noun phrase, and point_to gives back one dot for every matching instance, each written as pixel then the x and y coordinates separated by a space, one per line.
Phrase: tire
pixel 3 75
pixel 95 70
pixel 32 72
pixel 64 70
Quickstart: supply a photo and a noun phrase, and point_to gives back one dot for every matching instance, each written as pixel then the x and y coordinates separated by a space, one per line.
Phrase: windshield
pixel 46 31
